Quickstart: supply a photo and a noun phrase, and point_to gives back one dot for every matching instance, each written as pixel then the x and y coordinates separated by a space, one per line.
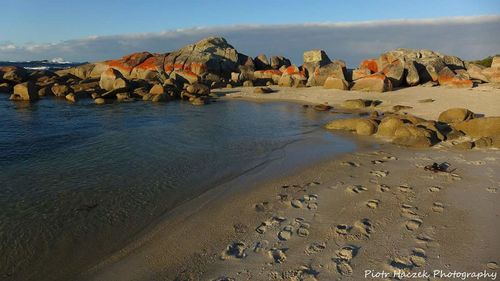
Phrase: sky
pixel 95 30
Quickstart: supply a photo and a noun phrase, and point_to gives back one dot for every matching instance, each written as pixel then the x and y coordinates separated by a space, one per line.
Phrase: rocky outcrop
pixel 335 69
pixel 454 115
pixel 13 74
pixel 26 91
pixel 314 59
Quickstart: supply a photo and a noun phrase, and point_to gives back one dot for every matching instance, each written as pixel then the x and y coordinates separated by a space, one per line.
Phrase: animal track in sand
pixel 435 188
pixel 350 163
pixel 278 255
pixel 373 204
pixel 379 173
pixel 234 250
pixel 413 224
pixel 356 189
pixel 438 207
pixel 315 247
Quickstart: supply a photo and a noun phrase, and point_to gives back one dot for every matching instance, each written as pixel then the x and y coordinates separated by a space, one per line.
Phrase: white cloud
pixel 467 37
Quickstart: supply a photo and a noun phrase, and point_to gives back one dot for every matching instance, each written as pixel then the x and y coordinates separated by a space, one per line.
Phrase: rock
pixel 356 104
pixel 25 92
pixel 395 72
pixel 14 74
pixel 45 91
pixel 488 142
pixel 198 101
pixel 360 73
pixel 373 83
pixel 120 83
pixel 369 64
pixel 5 88
pixel 61 90
pixel 453 62
pixel 186 76
pixel 495 62
pixel 399 107
pixel 293 77
pixel 81 71
pixel 492 74
pixel 278 61
pixel 270 74
pixel 248 83
pixel 336 83
pixel 334 69
pixel 198 89
pixel 100 101
pixel 475 71
pixel 415 142
pixel 159 98
pixel 361 126
pixel 414 136
pixel 85 86
pixel 263 90
pixel 261 62
pixel 313 59
pixel 479 127
pixel 431 68
pixel 108 79
pixel 157 89
pixel 412 77
pixel 322 107
pixel 448 78
pixel 453 115
pixel 123 96
pixel 149 69
pixel 454 134
pixel 389 125
pixel 71 97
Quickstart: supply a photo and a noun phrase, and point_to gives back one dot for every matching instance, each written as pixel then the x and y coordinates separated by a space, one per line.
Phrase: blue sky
pixel 94 30
pixel 55 20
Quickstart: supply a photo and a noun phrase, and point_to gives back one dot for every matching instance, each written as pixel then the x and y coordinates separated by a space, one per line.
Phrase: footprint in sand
pixel 304 273
pixel 286 233
pixel 401 263
pixel 379 173
pixel 383 188
pixel 350 164
pixel 223 278
pixel 373 204
pixel 435 188
pixel 360 229
pixel 356 189
pixel 492 189
pixel 314 183
pixel 376 162
pixel 296 203
pixel 315 247
pixel 392 158
pixel 438 207
pixel 364 226
pixel 343 259
pixel 413 224
pixel 235 250
pixel 418 257
pixel 260 246
pixel 278 255
pixel 408 211
pixel 405 188
pixel 492 265
pixel 477 163
pixel 424 238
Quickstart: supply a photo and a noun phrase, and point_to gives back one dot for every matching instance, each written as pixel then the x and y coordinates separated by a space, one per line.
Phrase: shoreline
pixel 164 252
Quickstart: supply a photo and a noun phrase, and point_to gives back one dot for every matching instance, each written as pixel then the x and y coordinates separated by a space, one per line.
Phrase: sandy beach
pixel 359 216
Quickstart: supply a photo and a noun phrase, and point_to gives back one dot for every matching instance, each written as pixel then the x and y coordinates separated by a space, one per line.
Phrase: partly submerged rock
pixel 360 126
pixel 26 91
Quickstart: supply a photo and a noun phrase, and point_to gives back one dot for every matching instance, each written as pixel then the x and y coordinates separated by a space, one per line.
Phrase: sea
pixel 80 181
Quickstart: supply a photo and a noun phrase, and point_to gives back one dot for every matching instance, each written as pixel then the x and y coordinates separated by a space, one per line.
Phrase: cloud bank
pixel 466 37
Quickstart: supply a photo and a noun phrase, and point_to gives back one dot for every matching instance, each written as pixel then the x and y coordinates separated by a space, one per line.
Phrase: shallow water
pixel 78 181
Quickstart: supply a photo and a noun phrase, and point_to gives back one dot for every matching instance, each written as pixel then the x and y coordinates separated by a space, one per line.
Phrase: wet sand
pixel 376 209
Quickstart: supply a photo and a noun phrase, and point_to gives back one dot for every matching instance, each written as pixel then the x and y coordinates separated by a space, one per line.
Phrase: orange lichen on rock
pixel 150 63
pixel 370 64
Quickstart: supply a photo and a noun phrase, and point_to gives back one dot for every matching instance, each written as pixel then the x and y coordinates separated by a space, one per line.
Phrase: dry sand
pixel 376 209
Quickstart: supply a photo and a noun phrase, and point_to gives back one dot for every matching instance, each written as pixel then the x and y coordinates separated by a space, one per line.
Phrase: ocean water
pixel 79 181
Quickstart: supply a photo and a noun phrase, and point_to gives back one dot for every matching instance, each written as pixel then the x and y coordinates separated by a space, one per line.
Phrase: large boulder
pixel 479 127
pixel 453 62
pixel 26 91
pixel 293 77
pixel 447 77
pixel 81 71
pixel 356 104
pixel 313 59
pixel 5 88
pixel 13 74
pixel 493 72
pixel 475 71
pixel 336 83
pixel 210 55
pixel 360 73
pixel 335 69
pixel 369 64
pixel 395 72
pixel 372 83
pixel 388 126
pixel 60 90
pixel 149 69
pixel 429 68
pixel 108 79
pixel 454 115
pixel 412 77
pixel 414 136
pixel 270 74
pixel 360 126
pixel 261 62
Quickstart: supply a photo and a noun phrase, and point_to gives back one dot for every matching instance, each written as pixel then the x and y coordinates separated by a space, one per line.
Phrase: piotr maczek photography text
pixel 438 273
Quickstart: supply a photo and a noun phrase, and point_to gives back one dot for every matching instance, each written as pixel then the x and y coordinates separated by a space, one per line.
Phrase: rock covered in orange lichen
pixel 447 77
pixel 370 64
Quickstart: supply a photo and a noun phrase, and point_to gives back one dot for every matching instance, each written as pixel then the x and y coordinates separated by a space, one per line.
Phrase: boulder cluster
pixel 190 72
pixel 459 127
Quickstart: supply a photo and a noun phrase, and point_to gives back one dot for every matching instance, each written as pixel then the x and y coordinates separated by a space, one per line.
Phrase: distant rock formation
pixel 213 62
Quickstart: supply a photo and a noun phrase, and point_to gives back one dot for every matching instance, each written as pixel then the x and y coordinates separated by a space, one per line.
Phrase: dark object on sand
pixel 443 167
